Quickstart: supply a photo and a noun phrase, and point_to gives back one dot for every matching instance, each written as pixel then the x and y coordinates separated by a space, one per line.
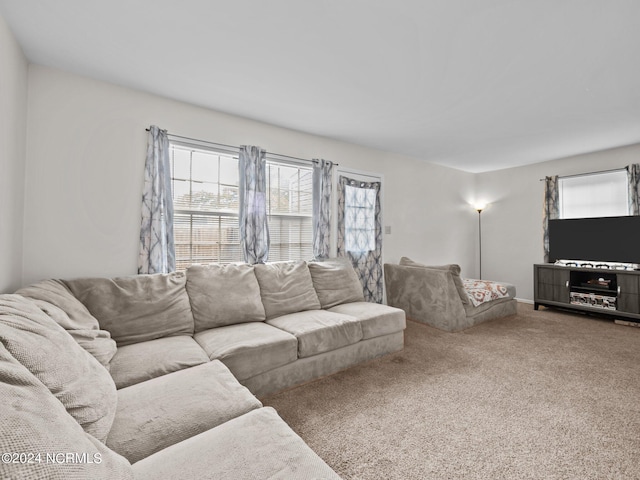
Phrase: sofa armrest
pixel 426 295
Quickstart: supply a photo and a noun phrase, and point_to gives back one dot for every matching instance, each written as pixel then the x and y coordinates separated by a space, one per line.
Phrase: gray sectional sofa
pixel 156 376
pixel 436 295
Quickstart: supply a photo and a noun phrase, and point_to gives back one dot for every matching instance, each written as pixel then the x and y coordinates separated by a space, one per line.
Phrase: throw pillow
pixel 75 377
pixel 336 282
pixel 224 295
pixel 286 287
pixel 59 303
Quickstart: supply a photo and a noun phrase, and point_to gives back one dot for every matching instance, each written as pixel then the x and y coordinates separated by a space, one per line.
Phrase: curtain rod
pixel 589 173
pixel 234 147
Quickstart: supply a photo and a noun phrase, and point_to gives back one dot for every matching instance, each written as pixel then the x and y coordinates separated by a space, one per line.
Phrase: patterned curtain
pixel 157 250
pixel 254 232
pixel 322 178
pixel 633 177
pixel 360 233
pixel 551 210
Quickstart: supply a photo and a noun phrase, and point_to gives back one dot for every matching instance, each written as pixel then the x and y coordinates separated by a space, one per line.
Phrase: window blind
pixel 206 205
pixel 594 195
pixel 205 189
pixel 289 208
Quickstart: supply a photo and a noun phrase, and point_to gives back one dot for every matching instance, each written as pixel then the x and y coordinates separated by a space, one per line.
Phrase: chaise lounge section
pixel 439 297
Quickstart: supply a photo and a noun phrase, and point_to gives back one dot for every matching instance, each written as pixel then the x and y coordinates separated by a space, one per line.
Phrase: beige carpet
pixel 539 395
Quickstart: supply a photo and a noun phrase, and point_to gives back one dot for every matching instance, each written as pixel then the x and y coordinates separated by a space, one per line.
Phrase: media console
pixel 596 290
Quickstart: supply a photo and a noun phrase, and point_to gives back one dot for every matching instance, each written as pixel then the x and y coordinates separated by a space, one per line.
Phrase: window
pixel 205 186
pixel 205 199
pixel 594 195
pixel 289 210
pixel 360 231
pixel 360 224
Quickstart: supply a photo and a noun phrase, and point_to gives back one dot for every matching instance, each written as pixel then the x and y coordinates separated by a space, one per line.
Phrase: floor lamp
pixel 479 208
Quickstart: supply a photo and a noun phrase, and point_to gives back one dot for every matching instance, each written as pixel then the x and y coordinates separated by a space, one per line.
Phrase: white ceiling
pixel 477 85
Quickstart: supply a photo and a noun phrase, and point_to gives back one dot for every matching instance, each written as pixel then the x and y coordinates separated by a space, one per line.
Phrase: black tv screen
pixel 603 239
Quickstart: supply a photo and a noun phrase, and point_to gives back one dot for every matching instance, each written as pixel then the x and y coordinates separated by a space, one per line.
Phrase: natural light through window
pixel 289 209
pixel 360 223
pixel 594 195
pixel 205 186
pixel 206 206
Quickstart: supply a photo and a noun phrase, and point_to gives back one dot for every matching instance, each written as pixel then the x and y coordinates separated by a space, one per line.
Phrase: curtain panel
pixel 633 177
pixel 360 233
pixel 254 231
pixel 322 186
pixel 157 250
pixel 551 210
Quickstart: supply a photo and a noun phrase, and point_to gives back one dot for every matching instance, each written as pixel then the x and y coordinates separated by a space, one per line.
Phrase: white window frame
pixel 271 162
pixel 368 228
pixel 219 214
pixel 183 262
pixel 598 194
pixel 363 176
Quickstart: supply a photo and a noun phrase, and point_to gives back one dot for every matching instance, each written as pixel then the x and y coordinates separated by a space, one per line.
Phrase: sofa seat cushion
pixel 55 299
pixel 376 319
pixel 223 295
pixel 183 404
pixel 319 331
pixel 249 348
pixel 143 361
pixel 35 422
pixel 335 281
pixel 71 374
pixel 259 444
pixel 137 308
pixel 286 287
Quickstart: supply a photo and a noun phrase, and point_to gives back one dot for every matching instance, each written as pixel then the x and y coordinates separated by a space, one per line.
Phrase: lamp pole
pixel 479 210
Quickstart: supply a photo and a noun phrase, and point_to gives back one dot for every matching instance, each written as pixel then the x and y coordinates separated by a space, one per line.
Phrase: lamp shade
pixel 479 206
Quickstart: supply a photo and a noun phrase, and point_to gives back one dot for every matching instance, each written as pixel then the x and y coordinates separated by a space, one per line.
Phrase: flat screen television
pixel 603 239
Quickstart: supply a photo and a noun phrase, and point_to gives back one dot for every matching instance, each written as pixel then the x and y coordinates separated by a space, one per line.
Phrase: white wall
pixel 86 145
pixel 85 164
pixel 13 121
pixel 512 224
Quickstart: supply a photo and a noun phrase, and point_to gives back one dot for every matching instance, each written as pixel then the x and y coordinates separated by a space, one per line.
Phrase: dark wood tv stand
pixel 600 288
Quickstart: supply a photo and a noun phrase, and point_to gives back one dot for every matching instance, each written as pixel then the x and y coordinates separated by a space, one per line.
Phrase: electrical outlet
pixel 387 230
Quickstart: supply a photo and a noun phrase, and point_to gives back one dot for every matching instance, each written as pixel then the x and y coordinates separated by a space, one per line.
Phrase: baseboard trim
pixel 524 300
pixel 626 323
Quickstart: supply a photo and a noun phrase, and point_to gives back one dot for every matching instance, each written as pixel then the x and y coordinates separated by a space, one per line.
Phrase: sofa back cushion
pixel 286 287
pixel 336 282
pixel 75 377
pixel 224 295
pixel 137 308
pixel 453 268
pixel 35 422
pixel 55 299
